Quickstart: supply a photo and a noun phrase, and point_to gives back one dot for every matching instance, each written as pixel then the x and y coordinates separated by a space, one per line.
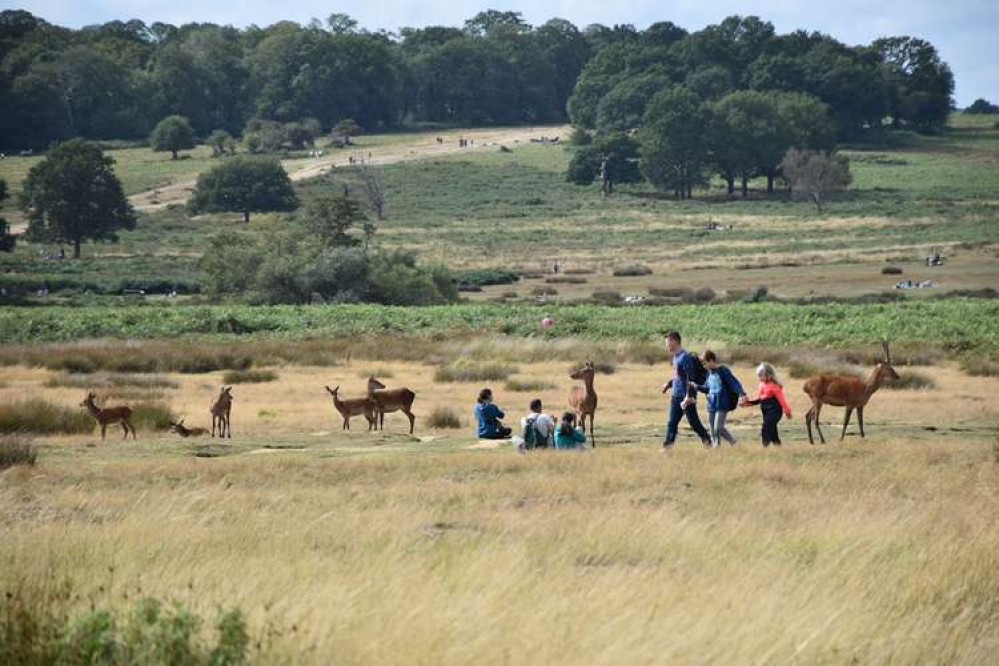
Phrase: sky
pixel 962 30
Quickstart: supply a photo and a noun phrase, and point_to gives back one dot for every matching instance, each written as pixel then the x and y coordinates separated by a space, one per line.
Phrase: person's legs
pixel 695 423
pixel 712 427
pixel 775 434
pixel 769 428
pixel 720 431
pixel 673 420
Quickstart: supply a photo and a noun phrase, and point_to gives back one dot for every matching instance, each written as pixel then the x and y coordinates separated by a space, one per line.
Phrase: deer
pixel 390 400
pixel 846 391
pixel 108 415
pixel 353 407
pixel 221 409
pixel 583 399
pixel 186 432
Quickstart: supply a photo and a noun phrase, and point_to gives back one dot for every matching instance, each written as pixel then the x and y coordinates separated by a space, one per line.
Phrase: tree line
pixel 119 79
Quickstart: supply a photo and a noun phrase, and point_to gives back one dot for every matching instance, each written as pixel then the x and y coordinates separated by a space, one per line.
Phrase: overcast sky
pixel 964 31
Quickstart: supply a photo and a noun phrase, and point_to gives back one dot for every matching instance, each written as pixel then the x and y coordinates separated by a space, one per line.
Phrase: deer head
pixel 176 427
pixel 89 400
pixel 374 384
pixel 334 391
pixel 884 369
pixel 585 373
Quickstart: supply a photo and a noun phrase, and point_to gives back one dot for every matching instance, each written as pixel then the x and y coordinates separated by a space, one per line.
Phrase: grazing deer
pixel 845 391
pixel 391 400
pixel 108 415
pixel 185 432
pixel 221 409
pixel 353 407
pixel 583 399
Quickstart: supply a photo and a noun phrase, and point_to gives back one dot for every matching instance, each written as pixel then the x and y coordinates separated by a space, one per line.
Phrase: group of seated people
pixel 538 430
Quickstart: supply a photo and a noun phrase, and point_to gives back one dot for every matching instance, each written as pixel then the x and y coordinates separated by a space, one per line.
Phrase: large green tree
pixel 611 158
pixel 173 133
pixel 74 195
pixel 674 141
pixel 246 185
pixel 7 239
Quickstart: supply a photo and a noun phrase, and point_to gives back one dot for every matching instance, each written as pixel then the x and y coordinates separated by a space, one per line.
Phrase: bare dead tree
pixel 373 189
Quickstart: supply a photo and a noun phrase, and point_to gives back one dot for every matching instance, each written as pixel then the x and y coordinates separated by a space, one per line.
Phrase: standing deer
pixel 221 409
pixel 186 432
pixel 108 415
pixel 353 407
pixel 845 391
pixel 391 400
pixel 583 399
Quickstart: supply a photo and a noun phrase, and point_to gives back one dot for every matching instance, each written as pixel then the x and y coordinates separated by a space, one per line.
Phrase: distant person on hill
pixel 568 435
pixel 724 394
pixel 773 404
pixel 487 418
pixel 683 401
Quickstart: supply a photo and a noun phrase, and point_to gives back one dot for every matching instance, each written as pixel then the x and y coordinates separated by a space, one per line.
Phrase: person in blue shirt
pixel 724 393
pixel 487 418
pixel 683 401
pixel 568 435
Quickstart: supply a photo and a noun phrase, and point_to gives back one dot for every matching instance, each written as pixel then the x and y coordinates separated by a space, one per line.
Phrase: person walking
pixel 683 399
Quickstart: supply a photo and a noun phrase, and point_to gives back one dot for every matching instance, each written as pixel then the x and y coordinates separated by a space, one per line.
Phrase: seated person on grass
pixel 487 418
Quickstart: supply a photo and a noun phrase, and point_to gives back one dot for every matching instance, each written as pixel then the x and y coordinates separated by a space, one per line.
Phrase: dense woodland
pixel 119 79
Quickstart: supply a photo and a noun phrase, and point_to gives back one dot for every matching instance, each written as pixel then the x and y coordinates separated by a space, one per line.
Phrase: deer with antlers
pixel 353 407
pixel 186 432
pixel 391 400
pixel 846 391
pixel 106 415
pixel 583 399
pixel 221 409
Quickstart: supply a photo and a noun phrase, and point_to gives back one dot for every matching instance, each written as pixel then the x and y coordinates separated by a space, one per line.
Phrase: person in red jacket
pixel 773 404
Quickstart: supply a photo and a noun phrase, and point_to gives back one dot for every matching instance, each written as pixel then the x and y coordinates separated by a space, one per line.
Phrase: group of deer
pixel 105 416
pixel 373 406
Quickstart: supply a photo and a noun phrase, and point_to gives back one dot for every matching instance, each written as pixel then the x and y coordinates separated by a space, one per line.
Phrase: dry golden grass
pixel 379 548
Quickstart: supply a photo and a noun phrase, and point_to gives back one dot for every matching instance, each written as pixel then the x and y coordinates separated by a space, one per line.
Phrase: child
pixel 724 395
pixel 770 398
pixel 568 436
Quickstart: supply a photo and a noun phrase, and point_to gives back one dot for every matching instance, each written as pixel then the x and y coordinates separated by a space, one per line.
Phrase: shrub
pixel 528 386
pixel 632 270
pixel 381 373
pixel 41 417
pixel 578 271
pixel 891 270
pixel 606 296
pixel 704 295
pixel 758 295
pixel 466 372
pixel 911 381
pixel 685 293
pixel 17 450
pixel 152 416
pixel 565 279
pixel 544 291
pixel 115 380
pixel 468 288
pixel 485 277
pixel 443 418
pixel 249 376
pixel 805 369
pixel 979 367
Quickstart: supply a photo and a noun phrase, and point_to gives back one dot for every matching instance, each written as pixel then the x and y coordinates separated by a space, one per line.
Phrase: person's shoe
pixel 667 446
pixel 707 444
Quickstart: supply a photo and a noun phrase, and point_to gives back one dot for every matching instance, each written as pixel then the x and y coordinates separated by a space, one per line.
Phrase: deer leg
pixel 808 424
pixel 346 423
pixel 213 425
pixel 593 439
pixel 846 422
pixel 104 429
pixel 412 420
pixel 228 428
pixel 860 420
pixel 125 429
pixel 818 429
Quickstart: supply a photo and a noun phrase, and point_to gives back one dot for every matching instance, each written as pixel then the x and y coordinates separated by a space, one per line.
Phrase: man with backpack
pixel 538 428
pixel 687 368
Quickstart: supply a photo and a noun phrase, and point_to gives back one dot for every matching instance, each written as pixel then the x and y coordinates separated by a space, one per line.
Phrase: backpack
pixel 698 374
pixel 731 397
pixel 533 438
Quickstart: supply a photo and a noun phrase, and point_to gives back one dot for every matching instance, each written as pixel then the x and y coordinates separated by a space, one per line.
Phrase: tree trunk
pixel 246 216
pixel 76 248
pixel 770 183
pixel 730 181
pixel 745 187
pixel 690 191
pixel 818 201
pixel 174 152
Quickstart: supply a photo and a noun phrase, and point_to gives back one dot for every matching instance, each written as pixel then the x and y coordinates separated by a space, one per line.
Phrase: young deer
pixel 845 391
pixel 185 432
pixel 353 407
pixel 221 409
pixel 108 415
pixel 390 401
pixel 583 399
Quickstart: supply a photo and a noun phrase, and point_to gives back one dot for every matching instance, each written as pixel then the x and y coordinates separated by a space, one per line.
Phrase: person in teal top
pixel 567 435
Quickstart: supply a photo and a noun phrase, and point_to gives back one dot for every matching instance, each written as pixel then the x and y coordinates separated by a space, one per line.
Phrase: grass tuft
pixel 529 386
pixel 443 418
pixel 632 270
pixel 249 376
pixel 469 372
pixel 42 417
pixel 17 450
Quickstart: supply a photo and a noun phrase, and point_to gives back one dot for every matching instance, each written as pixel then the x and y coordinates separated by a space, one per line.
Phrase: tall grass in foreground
pixel 879 552
pixel 16 450
pixel 41 417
